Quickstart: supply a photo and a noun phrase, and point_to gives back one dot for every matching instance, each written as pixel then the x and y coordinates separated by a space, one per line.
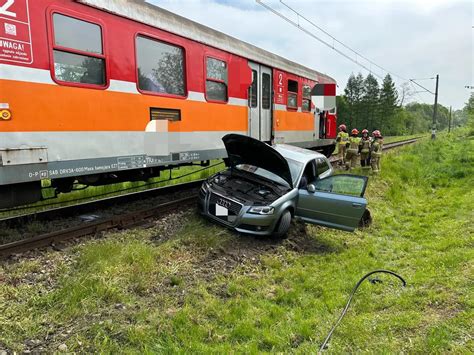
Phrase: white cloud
pixel 415 39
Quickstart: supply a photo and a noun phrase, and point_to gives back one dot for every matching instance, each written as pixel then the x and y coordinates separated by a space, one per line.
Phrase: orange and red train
pixel 106 91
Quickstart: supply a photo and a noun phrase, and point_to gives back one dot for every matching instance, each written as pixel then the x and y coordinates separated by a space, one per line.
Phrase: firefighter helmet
pixel 342 127
pixel 376 133
pixel 355 131
pixel 365 131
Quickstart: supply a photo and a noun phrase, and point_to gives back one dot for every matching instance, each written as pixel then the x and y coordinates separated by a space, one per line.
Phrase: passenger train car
pixel 98 92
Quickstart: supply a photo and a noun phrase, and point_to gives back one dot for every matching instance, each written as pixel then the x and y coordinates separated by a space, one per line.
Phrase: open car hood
pixel 246 150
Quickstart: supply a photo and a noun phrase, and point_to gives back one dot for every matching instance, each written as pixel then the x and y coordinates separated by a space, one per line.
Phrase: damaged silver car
pixel 265 186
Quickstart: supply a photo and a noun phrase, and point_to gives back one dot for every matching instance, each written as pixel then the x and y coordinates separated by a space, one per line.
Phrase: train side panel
pixel 88 129
pixel 111 119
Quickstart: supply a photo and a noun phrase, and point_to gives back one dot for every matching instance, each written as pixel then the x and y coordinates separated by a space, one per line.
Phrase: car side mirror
pixel 311 188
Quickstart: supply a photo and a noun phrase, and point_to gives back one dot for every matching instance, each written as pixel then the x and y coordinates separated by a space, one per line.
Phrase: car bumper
pixel 242 222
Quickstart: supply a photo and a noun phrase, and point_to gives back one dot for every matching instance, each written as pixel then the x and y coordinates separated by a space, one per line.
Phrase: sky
pixel 414 39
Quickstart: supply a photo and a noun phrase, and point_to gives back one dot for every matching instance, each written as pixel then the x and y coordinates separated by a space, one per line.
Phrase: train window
pixel 253 95
pixel 306 104
pixel 292 94
pixel 266 91
pixel 216 79
pixel 160 67
pixel 78 51
pixel 77 34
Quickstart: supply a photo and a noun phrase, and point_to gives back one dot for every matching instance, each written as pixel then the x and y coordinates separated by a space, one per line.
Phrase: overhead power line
pixel 421 86
pixel 341 43
pixel 334 40
pixel 315 37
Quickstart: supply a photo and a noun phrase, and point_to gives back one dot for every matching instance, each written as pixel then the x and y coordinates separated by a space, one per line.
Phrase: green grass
pixel 204 289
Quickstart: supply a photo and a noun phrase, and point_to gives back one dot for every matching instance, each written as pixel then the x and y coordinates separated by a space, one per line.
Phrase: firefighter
pixel 364 148
pixel 376 151
pixel 342 139
pixel 352 149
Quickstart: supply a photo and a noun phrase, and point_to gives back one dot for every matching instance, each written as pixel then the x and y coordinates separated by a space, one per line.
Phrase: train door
pixel 260 103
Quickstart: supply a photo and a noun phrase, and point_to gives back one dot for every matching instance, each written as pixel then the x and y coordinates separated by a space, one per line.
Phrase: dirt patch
pixel 169 225
pixel 243 252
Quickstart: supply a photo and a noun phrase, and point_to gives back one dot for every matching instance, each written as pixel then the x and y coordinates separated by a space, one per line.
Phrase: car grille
pixel 224 209
pixel 231 205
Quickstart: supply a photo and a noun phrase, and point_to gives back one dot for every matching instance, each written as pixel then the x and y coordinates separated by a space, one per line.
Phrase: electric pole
pixel 435 109
pixel 449 126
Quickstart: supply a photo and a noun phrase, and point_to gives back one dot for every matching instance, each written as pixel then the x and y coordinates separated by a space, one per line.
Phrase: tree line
pixel 368 104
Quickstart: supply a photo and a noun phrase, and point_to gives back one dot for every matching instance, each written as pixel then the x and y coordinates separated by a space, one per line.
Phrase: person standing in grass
pixel 342 139
pixel 353 150
pixel 364 148
pixel 376 151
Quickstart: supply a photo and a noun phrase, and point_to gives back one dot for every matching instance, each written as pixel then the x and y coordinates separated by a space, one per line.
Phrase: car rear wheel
pixel 283 225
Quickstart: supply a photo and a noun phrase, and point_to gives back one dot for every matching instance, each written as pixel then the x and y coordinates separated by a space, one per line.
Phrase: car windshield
pixel 295 169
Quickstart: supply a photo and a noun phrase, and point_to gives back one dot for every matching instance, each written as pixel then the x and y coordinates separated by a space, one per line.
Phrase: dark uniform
pixel 364 147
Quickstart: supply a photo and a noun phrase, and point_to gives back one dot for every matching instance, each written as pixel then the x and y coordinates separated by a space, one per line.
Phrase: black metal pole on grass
pixel 435 109
pixel 449 126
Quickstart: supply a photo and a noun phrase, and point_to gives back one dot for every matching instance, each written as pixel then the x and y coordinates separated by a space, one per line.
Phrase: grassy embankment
pixel 202 288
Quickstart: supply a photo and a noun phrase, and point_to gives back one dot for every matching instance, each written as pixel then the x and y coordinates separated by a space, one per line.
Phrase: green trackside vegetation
pixel 201 288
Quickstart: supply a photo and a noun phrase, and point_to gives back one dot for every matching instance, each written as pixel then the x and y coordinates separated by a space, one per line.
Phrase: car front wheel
pixel 283 225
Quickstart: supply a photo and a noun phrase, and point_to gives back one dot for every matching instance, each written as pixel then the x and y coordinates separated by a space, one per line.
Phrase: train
pixel 97 92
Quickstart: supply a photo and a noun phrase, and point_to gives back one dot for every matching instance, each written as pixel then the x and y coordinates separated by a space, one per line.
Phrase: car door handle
pixel 356 205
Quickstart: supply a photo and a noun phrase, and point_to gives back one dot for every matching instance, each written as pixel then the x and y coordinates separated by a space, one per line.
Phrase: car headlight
pixel 262 210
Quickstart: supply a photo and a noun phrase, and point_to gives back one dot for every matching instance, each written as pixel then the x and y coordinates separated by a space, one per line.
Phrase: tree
pixel 343 113
pixel 354 93
pixel 388 103
pixel 370 102
pixel 406 93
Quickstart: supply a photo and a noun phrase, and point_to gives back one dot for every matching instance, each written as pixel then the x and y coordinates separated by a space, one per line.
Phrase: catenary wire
pixel 341 43
pixel 316 37
pixel 358 54
pixel 331 46
pixel 328 337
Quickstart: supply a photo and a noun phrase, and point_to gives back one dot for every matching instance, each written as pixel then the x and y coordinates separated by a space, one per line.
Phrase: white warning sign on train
pixel 15 32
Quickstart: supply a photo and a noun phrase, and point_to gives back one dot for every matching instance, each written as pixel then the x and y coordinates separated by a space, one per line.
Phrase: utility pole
pixel 449 126
pixel 435 109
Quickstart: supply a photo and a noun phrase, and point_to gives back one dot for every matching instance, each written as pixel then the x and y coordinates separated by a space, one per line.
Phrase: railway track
pixel 125 220
pixel 388 146
pixel 87 207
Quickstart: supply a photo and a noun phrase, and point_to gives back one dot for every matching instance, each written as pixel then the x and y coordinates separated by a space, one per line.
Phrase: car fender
pixel 287 201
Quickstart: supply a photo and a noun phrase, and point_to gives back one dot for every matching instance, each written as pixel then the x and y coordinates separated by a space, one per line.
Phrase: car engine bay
pixel 246 187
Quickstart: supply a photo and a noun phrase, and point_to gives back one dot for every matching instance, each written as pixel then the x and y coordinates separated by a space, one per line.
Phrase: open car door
pixel 336 201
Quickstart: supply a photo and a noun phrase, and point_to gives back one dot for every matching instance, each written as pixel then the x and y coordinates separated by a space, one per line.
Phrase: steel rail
pixel 388 146
pixel 85 207
pixel 122 221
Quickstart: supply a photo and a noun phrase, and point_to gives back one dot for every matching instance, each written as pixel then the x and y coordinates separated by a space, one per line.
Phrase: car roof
pixel 296 153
